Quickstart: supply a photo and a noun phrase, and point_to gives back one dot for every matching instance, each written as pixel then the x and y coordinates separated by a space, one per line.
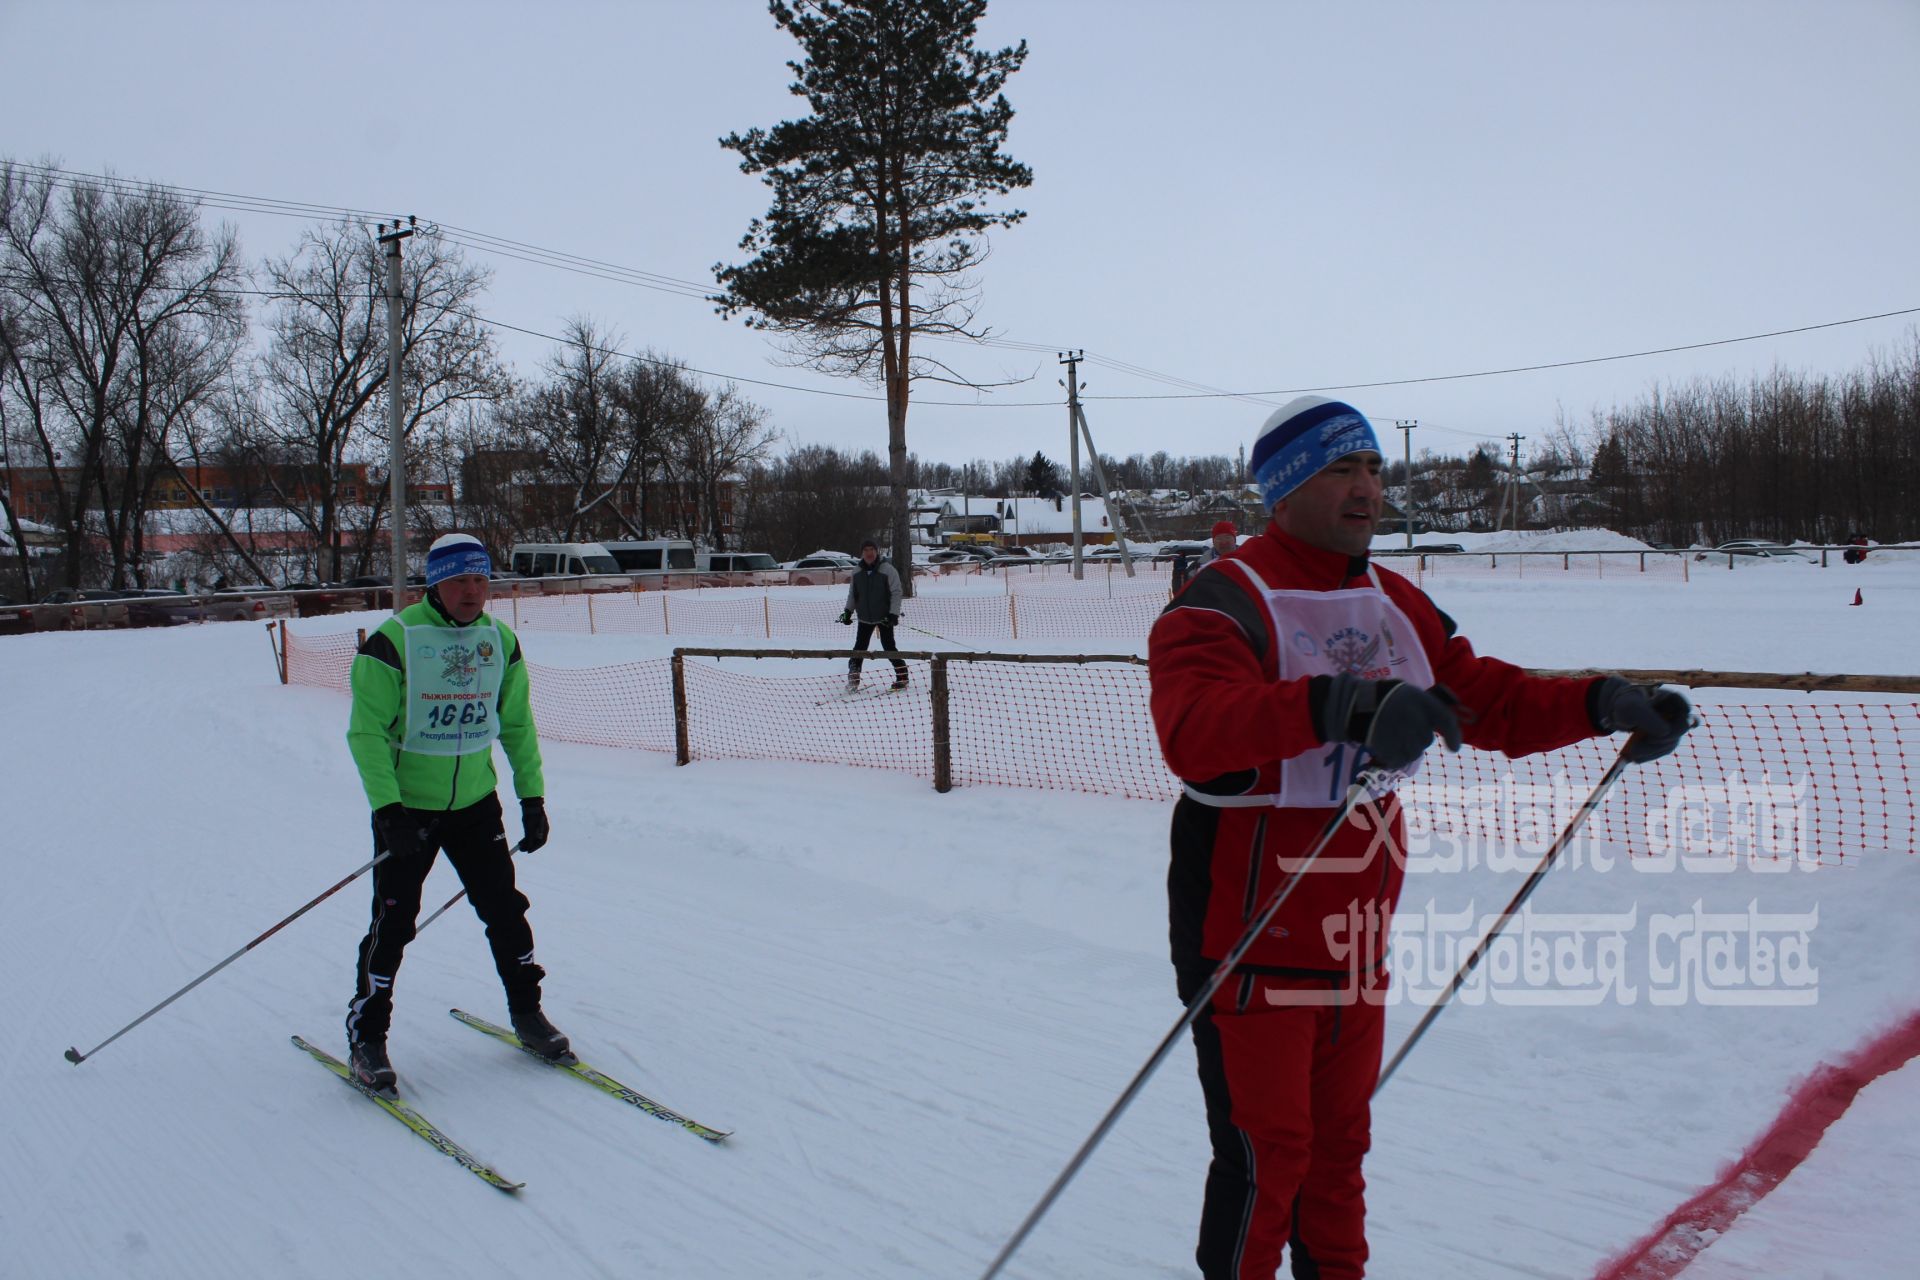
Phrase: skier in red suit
pixel 1279 673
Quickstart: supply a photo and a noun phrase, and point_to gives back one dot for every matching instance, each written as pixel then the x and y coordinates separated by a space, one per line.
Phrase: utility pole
pixel 1115 509
pixel 1072 360
pixel 396 459
pixel 1406 426
pixel 1513 484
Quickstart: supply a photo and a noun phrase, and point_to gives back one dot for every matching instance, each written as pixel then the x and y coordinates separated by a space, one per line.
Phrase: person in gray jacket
pixel 873 596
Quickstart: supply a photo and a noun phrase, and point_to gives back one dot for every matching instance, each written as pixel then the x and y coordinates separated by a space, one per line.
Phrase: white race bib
pixel 453 688
pixel 1354 631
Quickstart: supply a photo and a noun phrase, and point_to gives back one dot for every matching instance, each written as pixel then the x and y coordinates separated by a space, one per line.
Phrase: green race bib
pixel 453 689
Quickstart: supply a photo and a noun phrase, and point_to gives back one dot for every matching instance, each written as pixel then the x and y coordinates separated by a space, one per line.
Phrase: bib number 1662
pixel 447 715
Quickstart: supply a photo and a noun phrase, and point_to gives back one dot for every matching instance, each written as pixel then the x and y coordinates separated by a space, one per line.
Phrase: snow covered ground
pixel 910 1007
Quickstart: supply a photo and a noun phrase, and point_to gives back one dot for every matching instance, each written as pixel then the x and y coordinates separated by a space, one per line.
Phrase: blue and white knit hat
pixel 455 554
pixel 1303 436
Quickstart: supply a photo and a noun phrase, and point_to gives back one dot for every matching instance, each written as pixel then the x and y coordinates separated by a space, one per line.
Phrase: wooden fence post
pixel 942 740
pixel 591 630
pixel 283 651
pixel 1013 615
pixel 682 749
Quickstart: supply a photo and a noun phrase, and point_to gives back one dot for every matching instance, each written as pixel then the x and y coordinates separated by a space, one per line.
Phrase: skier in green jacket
pixel 433 687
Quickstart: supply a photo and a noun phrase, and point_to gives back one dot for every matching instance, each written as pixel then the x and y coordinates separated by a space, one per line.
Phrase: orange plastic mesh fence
pixel 741 714
pixel 322 661
pixel 629 705
pixel 1062 610
pixel 1771 783
pixel 1480 565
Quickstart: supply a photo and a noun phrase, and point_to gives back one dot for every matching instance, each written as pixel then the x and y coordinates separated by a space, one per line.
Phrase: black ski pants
pixel 475 841
pixel 863 638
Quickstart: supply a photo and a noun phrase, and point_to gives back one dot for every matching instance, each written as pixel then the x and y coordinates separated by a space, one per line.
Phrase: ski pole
pixel 1355 793
pixel 74 1055
pixel 937 636
pixel 1466 968
pixel 456 897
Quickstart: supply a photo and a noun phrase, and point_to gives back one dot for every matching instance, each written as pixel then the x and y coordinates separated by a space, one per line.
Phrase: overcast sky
pixel 1252 197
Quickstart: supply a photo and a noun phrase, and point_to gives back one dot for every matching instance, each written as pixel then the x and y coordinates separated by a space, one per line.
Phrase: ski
pixel 860 695
pixel 598 1079
pixel 417 1123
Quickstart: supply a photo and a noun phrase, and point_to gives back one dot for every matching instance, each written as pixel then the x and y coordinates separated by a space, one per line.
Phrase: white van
pixel 562 559
pixel 734 562
pixel 659 555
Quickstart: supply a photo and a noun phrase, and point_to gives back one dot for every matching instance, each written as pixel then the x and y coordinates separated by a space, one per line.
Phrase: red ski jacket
pixel 1225 721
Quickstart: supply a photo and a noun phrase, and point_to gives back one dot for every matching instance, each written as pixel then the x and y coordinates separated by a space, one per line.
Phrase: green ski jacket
pixel 377 725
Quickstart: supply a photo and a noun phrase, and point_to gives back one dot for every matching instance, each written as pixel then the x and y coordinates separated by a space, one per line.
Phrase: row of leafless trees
pixel 1786 456
pixel 135 343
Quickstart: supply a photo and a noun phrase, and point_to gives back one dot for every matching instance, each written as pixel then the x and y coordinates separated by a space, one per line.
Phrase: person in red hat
pixel 1225 539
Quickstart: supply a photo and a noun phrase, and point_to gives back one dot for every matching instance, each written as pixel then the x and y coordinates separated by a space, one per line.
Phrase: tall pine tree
pixel 878 207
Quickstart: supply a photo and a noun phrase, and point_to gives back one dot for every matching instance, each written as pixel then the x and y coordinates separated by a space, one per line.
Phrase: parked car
pixel 1438 548
pixel 155 607
pixel 658 555
pixel 370 592
pixel 1757 547
pixel 823 560
pixel 313 599
pixel 822 568
pixel 83 607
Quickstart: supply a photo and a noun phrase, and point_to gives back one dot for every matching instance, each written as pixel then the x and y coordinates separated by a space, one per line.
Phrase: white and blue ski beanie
pixel 1301 437
pixel 456 554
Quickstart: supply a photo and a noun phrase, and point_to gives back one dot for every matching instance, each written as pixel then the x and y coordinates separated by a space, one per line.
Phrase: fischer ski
pixel 598 1079
pixel 414 1121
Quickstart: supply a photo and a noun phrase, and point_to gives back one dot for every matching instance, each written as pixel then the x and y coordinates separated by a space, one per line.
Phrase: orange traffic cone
pixel 1856 596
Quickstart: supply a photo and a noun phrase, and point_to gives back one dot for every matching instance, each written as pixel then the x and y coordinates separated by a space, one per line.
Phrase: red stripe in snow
pixel 1822 1098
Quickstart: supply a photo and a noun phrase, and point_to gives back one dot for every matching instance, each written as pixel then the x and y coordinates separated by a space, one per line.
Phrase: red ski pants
pixel 1288 1066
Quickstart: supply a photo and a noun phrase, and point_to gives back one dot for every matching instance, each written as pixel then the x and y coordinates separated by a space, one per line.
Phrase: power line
pixel 483 243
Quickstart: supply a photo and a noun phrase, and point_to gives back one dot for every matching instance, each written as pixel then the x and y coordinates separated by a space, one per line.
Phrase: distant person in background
pixel 1225 539
pixel 873 596
pixel 1179 572
pixel 1277 676
pixel 433 688
pixel 1858 549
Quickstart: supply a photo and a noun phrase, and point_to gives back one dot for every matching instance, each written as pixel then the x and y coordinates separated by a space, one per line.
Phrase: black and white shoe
pixel 367 1059
pixel 541 1036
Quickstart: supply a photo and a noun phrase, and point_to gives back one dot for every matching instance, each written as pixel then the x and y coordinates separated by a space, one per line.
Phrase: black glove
pixel 846 617
pixel 1657 718
pixel 893 619
pixel 402 833
pixel 1394 720
pixel 533 823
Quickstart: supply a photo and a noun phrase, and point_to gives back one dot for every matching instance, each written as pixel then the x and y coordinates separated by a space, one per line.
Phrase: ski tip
pixel 74 1056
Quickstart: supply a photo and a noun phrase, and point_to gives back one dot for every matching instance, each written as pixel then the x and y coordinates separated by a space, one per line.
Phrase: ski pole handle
pixel 76 1057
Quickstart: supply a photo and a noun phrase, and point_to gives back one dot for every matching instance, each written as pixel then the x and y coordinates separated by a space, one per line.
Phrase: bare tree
pixel 728 435
pixel 122 317
pixel 580 427
pixel 323 376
